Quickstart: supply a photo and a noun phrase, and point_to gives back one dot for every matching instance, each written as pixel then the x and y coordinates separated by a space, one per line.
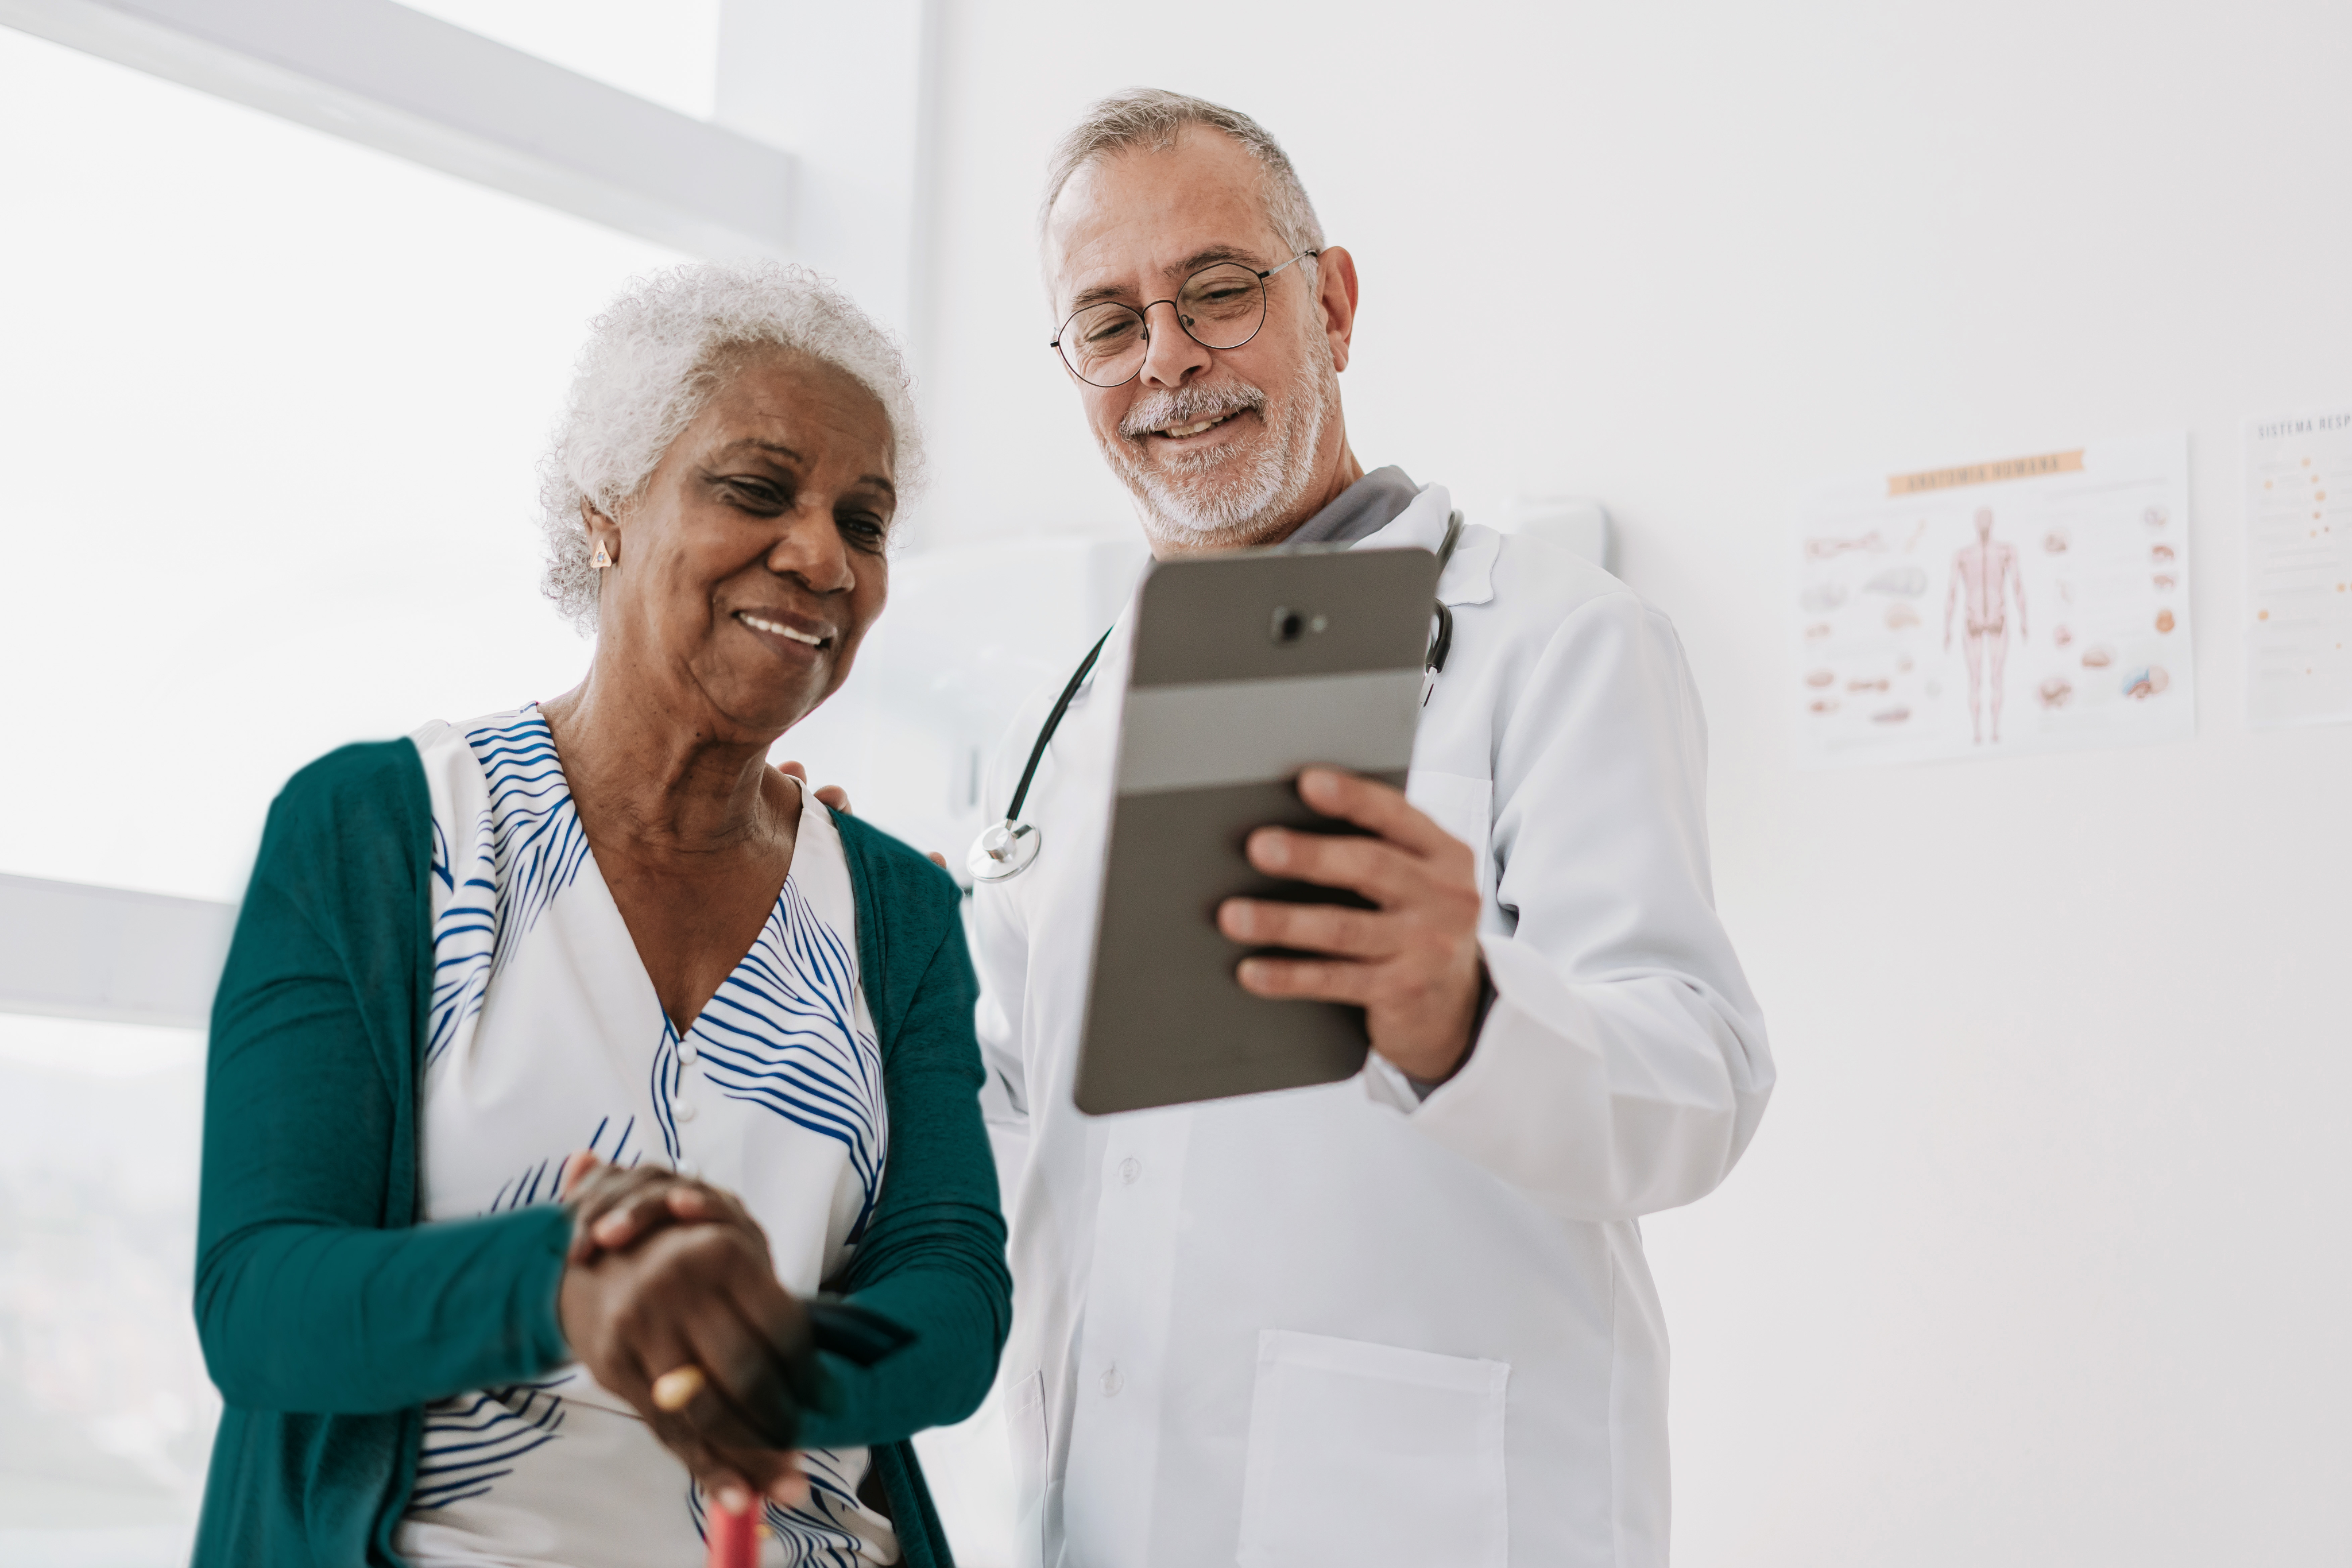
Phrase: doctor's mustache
pixel 1187 406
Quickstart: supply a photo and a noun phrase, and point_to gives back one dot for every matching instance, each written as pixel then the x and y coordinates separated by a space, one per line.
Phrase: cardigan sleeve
pixel 933 1256
pixel 315 1292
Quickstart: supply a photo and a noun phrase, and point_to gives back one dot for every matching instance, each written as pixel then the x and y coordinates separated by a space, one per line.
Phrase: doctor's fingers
pixel 832 795
pixel 1311 927
pixel 1369 803
pixel 1348 980
pixel 1391 876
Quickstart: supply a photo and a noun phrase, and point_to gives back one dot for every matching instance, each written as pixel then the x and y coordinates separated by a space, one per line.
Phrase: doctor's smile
pixel 1182 416
pixel 1183 429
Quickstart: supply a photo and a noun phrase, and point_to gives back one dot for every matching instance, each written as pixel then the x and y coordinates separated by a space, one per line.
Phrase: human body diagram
pixel 1984 576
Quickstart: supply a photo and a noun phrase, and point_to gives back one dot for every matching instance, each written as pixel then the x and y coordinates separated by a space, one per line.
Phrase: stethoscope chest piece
pixel 1002 852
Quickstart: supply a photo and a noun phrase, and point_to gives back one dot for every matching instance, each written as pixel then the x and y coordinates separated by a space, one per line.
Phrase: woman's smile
pixel 778 624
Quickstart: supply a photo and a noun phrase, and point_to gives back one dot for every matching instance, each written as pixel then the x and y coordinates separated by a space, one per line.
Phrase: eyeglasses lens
pixel 1222 306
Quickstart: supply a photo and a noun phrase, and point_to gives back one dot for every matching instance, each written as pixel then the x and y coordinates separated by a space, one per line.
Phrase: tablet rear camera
pixel 1287 627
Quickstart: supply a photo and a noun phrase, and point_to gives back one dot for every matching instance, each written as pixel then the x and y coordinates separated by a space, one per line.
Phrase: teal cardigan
pixel 329 1316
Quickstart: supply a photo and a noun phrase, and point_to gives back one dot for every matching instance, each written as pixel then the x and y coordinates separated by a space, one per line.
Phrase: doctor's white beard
pixel 1232 494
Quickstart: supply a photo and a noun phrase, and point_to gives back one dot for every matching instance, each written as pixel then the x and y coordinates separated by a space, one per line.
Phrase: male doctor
pixel 1405 1319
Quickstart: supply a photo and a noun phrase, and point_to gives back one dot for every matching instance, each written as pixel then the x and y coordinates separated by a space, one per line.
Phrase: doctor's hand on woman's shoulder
pixel 834 796
pixel 685 1319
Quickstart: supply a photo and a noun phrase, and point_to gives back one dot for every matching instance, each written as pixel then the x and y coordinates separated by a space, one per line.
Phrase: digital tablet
pixel 1248 667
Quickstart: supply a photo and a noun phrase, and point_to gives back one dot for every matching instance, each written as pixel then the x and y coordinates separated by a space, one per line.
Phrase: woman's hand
pixel 614 1207
pixel 704 1297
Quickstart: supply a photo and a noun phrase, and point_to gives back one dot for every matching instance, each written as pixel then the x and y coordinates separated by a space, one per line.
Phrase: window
pixel 265 412
pixel 261 420
pixel 106 1416
pixel 664 50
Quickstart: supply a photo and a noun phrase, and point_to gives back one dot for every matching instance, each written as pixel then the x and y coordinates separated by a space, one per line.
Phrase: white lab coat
pixel 1341 1325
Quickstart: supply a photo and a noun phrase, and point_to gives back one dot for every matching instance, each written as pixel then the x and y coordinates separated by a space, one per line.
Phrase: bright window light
pixel 106 1416
pixel 270 418
pixel 665 50
pixel 269 413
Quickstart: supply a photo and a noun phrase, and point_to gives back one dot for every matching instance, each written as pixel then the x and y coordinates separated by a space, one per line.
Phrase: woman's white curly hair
pixel 653 359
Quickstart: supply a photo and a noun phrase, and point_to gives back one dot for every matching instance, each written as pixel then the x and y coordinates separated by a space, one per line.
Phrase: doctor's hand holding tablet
pixel 1270 901
pixel 1412 962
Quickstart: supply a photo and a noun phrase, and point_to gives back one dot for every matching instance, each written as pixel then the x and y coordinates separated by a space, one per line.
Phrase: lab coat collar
pixel 1469 577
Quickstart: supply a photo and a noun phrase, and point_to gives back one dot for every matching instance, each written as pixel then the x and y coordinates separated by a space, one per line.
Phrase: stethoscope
pixel 1009 848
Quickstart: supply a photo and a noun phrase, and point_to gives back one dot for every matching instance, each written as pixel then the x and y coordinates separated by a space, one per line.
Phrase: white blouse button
pixel 686 1110
pixel 1130 1170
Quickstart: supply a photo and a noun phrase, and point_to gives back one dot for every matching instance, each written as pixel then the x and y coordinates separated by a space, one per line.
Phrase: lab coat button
pixel 1129 1169
pixel 1112 1383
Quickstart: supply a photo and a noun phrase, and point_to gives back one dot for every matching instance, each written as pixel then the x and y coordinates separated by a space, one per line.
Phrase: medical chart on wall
pixel 2298 568
pixel 2029 604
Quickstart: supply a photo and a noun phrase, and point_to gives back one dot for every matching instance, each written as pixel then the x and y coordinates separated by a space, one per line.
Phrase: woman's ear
pixel 603 538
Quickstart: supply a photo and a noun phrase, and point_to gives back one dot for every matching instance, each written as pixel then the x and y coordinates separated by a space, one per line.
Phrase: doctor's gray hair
pixel 652 362
pixel 1151 119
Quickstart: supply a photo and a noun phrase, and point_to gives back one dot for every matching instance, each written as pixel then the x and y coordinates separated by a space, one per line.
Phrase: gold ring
pixel 675 1390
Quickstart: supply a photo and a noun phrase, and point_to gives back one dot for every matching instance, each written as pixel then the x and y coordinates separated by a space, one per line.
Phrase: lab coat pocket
pixel 1373 1457
pixel 1463 807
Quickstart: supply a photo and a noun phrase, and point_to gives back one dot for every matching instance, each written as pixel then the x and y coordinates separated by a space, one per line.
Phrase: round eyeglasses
pixel 1220 306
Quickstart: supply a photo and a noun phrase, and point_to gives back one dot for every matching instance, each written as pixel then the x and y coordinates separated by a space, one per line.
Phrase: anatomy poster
pixel 2033 603
pixel 2298 568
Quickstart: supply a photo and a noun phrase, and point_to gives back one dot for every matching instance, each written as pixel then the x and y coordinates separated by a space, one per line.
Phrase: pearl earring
pixel 602 560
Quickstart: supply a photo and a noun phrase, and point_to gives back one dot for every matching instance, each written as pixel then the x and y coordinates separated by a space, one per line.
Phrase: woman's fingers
pixel 617 1209
pixel 666 1198
pixel 692 1329
pixel 593 1193
pixel 631 1215
pixel 718 1301
pixel 680 1327
pixel 792 1488
pixel 577 1166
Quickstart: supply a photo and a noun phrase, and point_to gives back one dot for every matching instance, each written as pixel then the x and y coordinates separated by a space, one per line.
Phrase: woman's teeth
pixel 779 628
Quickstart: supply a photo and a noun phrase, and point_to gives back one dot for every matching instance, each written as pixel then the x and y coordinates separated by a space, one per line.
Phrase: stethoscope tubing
pixel 1053 722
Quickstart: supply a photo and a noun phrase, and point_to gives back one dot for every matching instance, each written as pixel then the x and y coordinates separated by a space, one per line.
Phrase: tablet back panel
pixel 1247 668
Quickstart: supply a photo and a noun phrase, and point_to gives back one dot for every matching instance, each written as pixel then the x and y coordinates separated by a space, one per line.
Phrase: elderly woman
pixel 597 949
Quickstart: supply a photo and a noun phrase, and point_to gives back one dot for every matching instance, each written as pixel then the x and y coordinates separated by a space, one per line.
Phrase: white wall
pixel 2040 1257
